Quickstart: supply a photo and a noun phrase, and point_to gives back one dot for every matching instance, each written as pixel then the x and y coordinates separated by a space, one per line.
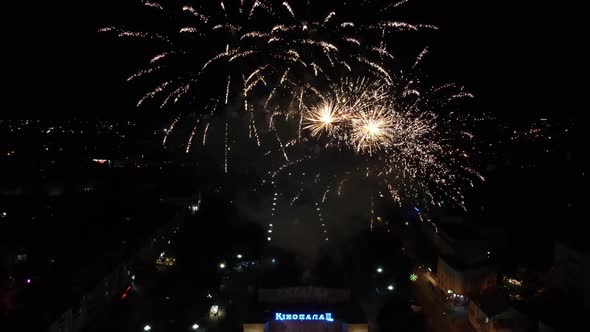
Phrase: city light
pixel 239 256
pixel 379 270
pixel 195 327
pixel 390 287
pixel 147 328
pixel 222 265
pixel 214 310
pixel 413 277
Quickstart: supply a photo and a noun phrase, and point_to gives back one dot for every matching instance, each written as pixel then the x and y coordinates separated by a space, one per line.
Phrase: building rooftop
pixel 458 232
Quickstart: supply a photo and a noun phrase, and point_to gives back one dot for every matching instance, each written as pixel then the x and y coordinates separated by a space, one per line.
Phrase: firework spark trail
pixel 380 69
pixel 421 56
pixel 461 94
pixel 205 133
pixel 383 52
pixel 353 40
pixel 404 26
pixel 287 165
pixel 395 4
pixel 160 56
pixel 282 147
pixel 340 186
pixel 227 89
pixel 170 129
pixel 152 4
pixel 254 34
pixel 196 14
pixel 300 112
pixel 142 73
pixel 189 30
pixel 325 196
pixel 190 140
pixel 296 197
pixel 286 4
pixel 327 19
pixel 160 88
pixel 255 130
pixel 226 149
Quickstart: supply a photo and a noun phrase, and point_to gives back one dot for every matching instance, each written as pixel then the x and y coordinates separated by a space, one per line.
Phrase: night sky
pixel 523 59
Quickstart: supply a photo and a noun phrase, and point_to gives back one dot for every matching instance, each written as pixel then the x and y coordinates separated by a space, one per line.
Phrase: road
pixel 438 316
pixel 437 313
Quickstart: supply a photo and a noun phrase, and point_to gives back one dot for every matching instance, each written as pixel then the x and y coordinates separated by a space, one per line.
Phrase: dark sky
pixel 524 58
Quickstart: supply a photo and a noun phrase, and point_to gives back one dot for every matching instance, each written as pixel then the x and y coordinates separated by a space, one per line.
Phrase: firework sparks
pixel 286 4
pixel 170 129
pixel 288 71
pixel 322 119
pixel 190 140
pixel 372 130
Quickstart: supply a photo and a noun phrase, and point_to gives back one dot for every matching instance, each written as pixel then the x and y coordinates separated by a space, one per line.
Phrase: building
pixel 460 279
pixel 461 242
pixel 305 309
pixel 571 271
pixel 492 312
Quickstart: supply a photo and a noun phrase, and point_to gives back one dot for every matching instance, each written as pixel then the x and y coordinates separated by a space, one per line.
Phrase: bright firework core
pixel 372 130
pixel 323 119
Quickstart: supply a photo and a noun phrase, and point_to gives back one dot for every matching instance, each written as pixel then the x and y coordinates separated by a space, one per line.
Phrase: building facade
pixel 302 309
pixel 491 312
pixel 466 280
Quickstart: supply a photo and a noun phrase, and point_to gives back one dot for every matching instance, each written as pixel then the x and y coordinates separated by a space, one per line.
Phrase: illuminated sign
pixel 304 317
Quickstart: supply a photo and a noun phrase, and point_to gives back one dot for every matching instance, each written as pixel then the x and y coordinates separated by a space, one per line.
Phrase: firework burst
pixel 265 57
pixel 324 118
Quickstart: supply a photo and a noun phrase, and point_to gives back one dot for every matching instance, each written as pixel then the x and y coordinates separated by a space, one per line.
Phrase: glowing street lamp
pixel 222 266
pixel 379 269
pixel 147 328
pixel 195 327
pixel 390 288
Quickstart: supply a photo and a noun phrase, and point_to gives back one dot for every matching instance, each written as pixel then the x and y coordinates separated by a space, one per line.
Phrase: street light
pixel 195 327
pixel 390 287
pixel 379 269
pixel 222 265
pixel 147 328
pixel 239 256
